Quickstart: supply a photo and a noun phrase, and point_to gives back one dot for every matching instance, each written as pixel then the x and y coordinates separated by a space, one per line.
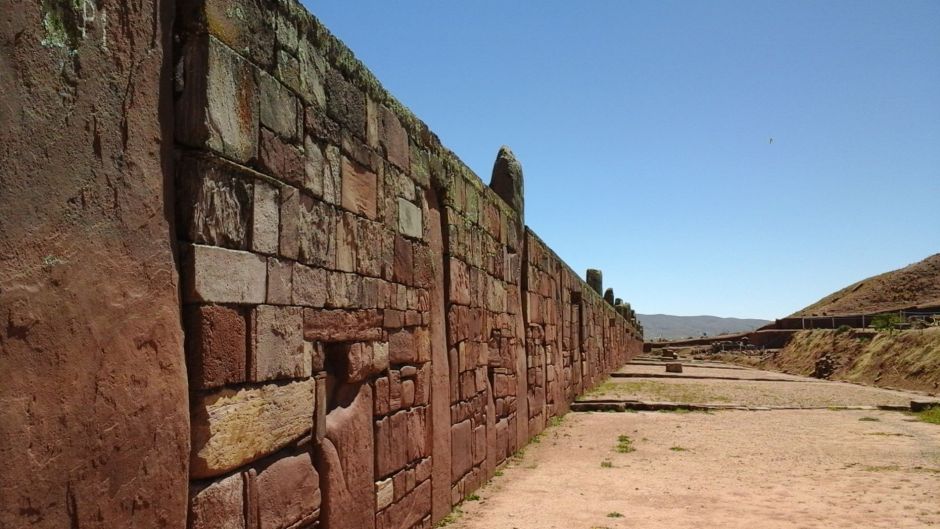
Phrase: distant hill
pixel 675 327
pixel 914 285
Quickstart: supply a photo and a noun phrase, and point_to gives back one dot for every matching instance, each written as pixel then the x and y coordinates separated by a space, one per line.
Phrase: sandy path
pixel 747 469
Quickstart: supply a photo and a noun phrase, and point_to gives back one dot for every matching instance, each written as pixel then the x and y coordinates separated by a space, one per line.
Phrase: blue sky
pixel 644 131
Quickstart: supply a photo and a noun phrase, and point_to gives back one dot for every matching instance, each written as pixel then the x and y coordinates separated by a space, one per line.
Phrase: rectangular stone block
pixel 217 275
pixel 399 439
pixel 277 344
pixel 342 325
pixel 233 427
pixel 409 511
pixel 288 493
pixel 289 234
pixel 401 347
pixel 281 160
pixel 384 494
pixel 277 106
pixel 214 202
pixel 309 286
pixel 459 282
pixel 347 242
pixel 218 505
pixel 410 220
pixel 317 233
pixel 393 138
pixel 461 442
pixel 359 194
pixel 280 281
pixel 404 261
pixel 243 25
pixel 266 218
pixel 218 108
pixel 358 361
pixel 216 352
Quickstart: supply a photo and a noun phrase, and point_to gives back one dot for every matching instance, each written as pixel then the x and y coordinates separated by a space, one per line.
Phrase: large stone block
pixel 317 233
pixel 277 106
pixel 215 345
pixel 359 193
pixel 219 105
pixel 242 24
pixel 345 103
pixel 288 493
pixel 233 427
pixel 404 261
pixel 401 347
pixel 309 286
pixel 459 282
pixel 461 439
pixel 277 344
pixel 281 160
pixel 289 234
pixel 342 325
pixel 345 460
pixel 214 202
pixel 218 505
pixel 393 138
pixel 399 439
pixel 410 220
pixel 217 275
pixel 409 511
pixel 347 239
pixel 266 219
pixel 280 281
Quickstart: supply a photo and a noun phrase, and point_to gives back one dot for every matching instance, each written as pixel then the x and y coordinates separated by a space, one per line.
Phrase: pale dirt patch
pixel 813 468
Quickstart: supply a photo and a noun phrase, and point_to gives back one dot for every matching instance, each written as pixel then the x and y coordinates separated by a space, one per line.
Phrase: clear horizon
pixel 644 130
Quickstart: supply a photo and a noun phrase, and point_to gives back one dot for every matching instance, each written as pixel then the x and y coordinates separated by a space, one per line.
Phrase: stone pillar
pixel 595 280
pixel 609 296
pixel 507 180
pixel 94 427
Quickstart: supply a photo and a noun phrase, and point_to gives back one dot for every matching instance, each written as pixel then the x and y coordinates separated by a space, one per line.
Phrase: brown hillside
pixel 914 285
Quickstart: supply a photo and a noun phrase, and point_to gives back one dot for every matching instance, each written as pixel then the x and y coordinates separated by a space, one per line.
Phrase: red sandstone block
pixel 423 266
pixel 369 251
pixel 479 444
pixel 403 271
pixel 309 286
pixel 401 481
pixel 359 193
pixel 360 360
pixel 288 493
pixel 393 319
pixel 423 470
pixel 214 202
pixel 317 232
pixel 393 139
pixel 401 347
pixel 347 236
pixel 277 344
pixel 394 390
pixel 215 345
pixel 220 504
pixel 381 396
pixel 407 393
pixel 290 222
pixel 459 282
pixel 342 325
pixel 280 281
pixel 423 385
pixel 281 160
pixel 216 275
pixel 461 450
pixel 399 439
pixel 408 512
pixel 467 385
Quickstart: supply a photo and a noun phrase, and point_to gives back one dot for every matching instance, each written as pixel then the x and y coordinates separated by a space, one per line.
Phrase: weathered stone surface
pixel 347 236
pixel 231 428
pixel 609 296
pixel 281 160
pixel 280 281
pixel 316 231
pixel 289 234
pixel 218 505
pixel 359 194
pixel 359 361
pixel 410 510
pixel 277 106
pixel 342 325
pixel 393 138
pixel 384 493
pixel 241 24
pixel 459 282
pixel 409 219
pixel 507 180
pixel 277 346
pixel 219 105
pixel 399 439
pixel 461 439
pixel 595 280
pixel 288 493
pixel 214 202
pixel 309 286
pixel 215 345
pixel 345 460
pixel 345 103
pixel 217 275
pixel 266 219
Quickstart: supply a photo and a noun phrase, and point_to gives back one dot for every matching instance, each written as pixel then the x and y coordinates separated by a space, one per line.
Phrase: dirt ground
pixel 781 468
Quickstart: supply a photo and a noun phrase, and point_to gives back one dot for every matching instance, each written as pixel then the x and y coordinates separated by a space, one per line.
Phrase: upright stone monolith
pixel 595 280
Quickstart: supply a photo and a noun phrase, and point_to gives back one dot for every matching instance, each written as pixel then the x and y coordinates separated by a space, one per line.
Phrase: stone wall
pixel 361 330
pixel 370 328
